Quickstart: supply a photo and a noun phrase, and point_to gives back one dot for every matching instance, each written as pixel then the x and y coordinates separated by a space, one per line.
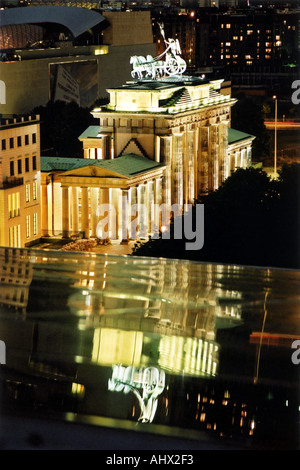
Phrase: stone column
pixel 133 217
pixel 214 157
pixel 104 215
pixel 223 150
pixel 45 228
pixel 203 161
pixel 125 217
pixel 75 216
pixel 65 212
pixel 159 199
pixel 190 168
pixel 114 213
pixel 150 203
pixel 143 222
pixel 177 176
pixel 166 155
pixel 94 206
pixel 85 213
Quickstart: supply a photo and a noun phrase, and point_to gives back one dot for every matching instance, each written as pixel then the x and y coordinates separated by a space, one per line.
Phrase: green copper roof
pixel 90 132
pixel 49 164
pixel 127 165
pixel 236 136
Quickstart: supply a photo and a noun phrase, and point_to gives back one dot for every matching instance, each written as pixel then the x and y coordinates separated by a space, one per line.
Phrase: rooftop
pixel 163 83
pixel 92 132
pixel 77 20
pixel 236 136
pixel 127 165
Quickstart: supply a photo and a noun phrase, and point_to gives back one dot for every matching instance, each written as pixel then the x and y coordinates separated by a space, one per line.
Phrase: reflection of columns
pixel 45 231
pixel 75 210
pixel 65 211
pixel 94 204
pixel 125 218
pixel 84 212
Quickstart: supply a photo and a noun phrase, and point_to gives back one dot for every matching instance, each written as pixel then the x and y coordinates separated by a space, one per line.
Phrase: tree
pixel 248 116
pixel 61 125
pixel 250 220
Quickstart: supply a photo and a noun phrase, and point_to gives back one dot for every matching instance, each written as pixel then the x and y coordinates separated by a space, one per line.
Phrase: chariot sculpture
pixel 156 67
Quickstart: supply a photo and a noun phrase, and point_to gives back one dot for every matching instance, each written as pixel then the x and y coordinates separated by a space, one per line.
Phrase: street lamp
pixel 275 140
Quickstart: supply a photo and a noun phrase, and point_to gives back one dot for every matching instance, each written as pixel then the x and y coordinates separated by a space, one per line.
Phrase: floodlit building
pixel 20 212
pixel 163 139
pixel 66 53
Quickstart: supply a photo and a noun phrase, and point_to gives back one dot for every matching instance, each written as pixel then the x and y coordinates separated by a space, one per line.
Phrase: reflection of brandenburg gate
pixel 171 304
pixel 133 305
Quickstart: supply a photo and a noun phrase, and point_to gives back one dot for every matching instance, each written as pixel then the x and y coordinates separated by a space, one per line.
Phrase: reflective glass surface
pixel 162 349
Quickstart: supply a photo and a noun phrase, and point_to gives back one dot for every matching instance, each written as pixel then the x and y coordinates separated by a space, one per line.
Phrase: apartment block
pixel 20 211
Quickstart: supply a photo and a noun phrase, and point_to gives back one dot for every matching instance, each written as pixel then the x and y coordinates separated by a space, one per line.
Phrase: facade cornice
pixel 110 182
pixel 105 112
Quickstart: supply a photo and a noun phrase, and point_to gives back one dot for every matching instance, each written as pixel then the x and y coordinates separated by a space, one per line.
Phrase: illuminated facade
pixel 20 212
pixel 161 141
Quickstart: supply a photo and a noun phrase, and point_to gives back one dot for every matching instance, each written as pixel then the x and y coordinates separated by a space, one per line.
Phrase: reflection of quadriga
pixel 151 381
pixel 154 67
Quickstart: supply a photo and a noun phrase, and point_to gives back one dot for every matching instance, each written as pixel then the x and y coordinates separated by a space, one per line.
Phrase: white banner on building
pixel 67 88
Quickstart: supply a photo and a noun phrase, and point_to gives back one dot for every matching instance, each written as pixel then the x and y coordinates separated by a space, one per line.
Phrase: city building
pixel 160 142
pixel 67 53
pixel 257 45
pixel 20 210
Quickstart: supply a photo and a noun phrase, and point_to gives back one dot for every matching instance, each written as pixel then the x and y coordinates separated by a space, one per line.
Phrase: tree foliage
pixel 61 125
pixel 248 116
pixel 249 220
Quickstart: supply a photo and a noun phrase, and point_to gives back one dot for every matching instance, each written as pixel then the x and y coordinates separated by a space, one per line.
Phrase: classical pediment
pixel 94 171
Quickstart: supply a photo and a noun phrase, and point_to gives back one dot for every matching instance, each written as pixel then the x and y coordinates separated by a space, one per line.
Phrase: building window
pixel 3 144
pixel 34 138
pixel 26 139
pixel 27 226
pixel 35 223
pixel 12 168
pixel 27 192
pixel 14 234
pixel 26 164
pixel 34 162
pixel 19 166
pixel 34 190
pixel 19 140
pixel 11 143
pixel 13 205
